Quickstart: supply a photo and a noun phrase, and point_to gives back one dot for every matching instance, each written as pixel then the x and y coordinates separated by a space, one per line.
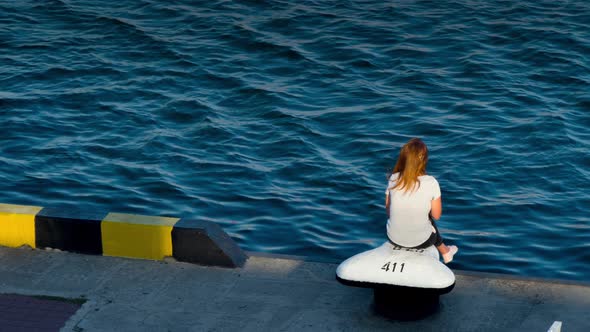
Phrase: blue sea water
pixel 279 120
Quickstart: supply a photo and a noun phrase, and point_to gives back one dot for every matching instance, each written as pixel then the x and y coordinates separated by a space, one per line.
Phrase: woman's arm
pixel 387 205
pixel 436 208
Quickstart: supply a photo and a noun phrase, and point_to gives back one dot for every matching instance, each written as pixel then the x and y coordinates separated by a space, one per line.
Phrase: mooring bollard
pixel 407 283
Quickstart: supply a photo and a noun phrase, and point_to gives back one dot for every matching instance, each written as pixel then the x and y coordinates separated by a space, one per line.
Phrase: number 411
pixel 388 265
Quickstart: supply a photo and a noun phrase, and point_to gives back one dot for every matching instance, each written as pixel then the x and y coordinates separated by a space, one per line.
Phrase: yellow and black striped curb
pixel 118 234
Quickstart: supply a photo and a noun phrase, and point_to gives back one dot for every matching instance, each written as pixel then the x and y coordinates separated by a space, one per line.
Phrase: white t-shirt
pixel 408 223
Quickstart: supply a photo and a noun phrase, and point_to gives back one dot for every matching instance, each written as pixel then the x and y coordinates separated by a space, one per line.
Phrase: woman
pixel 413 202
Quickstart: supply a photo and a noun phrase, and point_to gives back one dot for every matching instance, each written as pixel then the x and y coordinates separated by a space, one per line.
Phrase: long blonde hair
pixel 411 163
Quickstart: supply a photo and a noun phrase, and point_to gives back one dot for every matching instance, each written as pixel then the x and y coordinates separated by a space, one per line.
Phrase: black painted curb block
pixel 76 231
pixel 205 243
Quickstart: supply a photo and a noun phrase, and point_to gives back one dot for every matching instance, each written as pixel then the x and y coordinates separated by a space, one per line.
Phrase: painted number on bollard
pixel 393 266
pixel 408 249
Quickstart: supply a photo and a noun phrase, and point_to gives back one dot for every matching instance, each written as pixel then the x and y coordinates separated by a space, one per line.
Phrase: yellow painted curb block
pixel 17 225
pixel 137 236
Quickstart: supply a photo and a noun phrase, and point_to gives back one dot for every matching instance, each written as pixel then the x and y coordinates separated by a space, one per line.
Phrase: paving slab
pixel 274 293
pixel 34 314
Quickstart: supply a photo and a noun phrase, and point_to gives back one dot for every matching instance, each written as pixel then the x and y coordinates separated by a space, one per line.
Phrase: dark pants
pixel 434 240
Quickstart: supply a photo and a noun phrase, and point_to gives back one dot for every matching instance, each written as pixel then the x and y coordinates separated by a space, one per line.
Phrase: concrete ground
pixel 272 294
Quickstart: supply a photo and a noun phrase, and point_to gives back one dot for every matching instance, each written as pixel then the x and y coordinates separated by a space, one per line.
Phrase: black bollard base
pixel 405 303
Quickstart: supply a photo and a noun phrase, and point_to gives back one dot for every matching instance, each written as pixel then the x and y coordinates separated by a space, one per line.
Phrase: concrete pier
pixel 272 293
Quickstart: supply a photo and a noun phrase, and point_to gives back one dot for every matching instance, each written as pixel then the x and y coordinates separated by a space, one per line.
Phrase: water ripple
pixel 279 120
